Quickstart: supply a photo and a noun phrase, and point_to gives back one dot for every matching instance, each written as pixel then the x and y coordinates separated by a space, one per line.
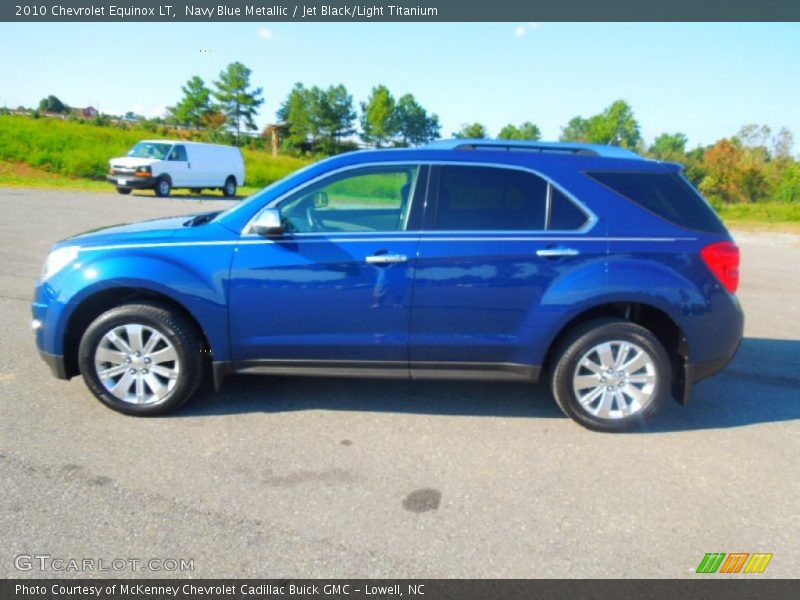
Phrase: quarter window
pixel 369 199
pixel 564 214
pixel 488 198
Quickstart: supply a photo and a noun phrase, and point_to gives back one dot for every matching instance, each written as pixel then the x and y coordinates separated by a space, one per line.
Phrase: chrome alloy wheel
pixel 614 380
pixel 137 364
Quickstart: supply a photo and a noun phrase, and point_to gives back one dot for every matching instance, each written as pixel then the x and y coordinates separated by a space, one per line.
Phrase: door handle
pixel 386 259
pixel 557 251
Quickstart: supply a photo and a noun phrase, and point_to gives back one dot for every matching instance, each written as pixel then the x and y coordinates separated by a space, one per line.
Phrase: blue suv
pixel 603 273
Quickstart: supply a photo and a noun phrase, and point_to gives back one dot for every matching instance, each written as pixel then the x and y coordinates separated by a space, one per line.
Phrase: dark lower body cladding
pixel 380 369
pixel 56 364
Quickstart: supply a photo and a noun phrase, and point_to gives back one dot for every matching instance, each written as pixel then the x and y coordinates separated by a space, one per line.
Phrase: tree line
pixel 753 165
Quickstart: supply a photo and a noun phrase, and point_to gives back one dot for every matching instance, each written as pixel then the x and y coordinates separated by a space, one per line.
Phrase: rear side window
pixel 488 198
pixel 667 195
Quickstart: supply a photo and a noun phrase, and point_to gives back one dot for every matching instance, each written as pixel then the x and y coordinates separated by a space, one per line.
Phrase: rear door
pixel 496 242
pixel 335 290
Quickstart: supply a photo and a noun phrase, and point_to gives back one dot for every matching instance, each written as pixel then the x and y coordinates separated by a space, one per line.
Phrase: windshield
pixel 150 150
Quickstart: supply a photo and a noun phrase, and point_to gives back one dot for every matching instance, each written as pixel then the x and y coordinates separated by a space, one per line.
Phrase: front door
pixel 177 165
pixel 335 289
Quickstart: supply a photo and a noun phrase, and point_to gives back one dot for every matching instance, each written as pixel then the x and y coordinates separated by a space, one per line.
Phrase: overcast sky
pixel 705 80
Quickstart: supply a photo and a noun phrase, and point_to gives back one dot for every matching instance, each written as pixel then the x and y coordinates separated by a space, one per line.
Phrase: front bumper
pixel 131 181
pixel 56 364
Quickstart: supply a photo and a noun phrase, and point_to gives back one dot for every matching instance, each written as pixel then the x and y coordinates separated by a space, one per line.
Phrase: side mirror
pixel 320 200
pixel 268 222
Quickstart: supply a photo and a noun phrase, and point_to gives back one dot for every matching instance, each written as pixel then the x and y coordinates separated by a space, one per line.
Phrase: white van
pixel 161 165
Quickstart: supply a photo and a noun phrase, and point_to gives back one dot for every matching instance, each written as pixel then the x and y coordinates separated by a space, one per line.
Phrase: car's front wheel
pixel 123 191
pixel 141 359
pixel 163 186
pixel 610 375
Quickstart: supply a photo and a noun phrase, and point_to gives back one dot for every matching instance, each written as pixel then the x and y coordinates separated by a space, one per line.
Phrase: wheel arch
pixel 103 300
pixel 653 318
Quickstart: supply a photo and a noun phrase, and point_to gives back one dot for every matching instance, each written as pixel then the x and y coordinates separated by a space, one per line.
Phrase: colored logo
pixel 735 562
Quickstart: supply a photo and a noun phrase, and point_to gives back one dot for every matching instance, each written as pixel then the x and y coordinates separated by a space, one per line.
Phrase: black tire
pixel 124 191
pixel 583 339
pixel 163 186
pixel 229 189
pixel 179 331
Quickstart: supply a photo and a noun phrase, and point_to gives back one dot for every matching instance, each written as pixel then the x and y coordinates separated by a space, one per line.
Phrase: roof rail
pixel 523 146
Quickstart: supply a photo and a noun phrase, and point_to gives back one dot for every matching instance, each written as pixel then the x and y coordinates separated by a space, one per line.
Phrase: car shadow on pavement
pixel 761 385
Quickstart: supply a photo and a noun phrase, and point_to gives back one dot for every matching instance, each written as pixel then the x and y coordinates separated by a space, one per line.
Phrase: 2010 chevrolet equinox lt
pixel 599 271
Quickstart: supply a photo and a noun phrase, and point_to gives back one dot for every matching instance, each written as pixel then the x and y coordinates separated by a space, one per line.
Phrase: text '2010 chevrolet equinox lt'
pixel 601 272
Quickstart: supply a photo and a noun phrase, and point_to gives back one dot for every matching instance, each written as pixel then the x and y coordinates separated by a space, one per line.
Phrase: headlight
pixel 58 259
pixel 144 172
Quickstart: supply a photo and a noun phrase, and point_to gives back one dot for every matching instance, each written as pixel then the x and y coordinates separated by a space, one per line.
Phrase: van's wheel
pixel 141 359
pixel 163 186
pixel 123 191
pixel 610 375
pixel 229 189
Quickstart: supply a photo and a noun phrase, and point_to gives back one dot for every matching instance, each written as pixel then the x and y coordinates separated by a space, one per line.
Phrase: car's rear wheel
pixel 141 359
pixel 123 191
pixel 229 189
pixel 610 375
pixel 163 187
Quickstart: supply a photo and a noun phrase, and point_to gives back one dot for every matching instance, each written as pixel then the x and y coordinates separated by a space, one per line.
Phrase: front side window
pixel 366 199
pixel 178 153
pixel 490 199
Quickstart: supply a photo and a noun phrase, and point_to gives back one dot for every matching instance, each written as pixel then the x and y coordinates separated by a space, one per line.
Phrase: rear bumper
pixel 132 181
pixel 56 364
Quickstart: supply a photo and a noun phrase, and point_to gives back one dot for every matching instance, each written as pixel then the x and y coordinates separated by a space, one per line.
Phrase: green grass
pixel 766 215
pixel 78 149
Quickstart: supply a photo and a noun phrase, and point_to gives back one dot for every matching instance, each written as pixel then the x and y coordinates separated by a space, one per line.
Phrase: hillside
pixel 82 149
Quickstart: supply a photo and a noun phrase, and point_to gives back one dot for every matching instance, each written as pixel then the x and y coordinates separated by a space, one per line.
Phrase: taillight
pixel 723 260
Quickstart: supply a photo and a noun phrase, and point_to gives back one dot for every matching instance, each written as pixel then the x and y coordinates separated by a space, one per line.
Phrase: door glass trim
pixel 592 219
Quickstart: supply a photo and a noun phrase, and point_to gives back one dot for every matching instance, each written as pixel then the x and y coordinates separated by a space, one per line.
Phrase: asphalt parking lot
pixel 290 477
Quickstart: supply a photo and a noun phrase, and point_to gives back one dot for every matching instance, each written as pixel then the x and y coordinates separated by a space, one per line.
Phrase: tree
pixel 378 118
pixel 471 131
pixel 295 114
pixel 52 104
pixel 194 105
pixel 526 131
pixel 723 162
pixel 414 125
pixel 333 114
pixel 782 144
pixel 577 130
pixel 313 116
pixel 237 100
pixel 616 126
pixel 670 147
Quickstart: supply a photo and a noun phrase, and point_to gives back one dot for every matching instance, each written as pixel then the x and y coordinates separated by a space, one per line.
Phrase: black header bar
pixel 398 10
